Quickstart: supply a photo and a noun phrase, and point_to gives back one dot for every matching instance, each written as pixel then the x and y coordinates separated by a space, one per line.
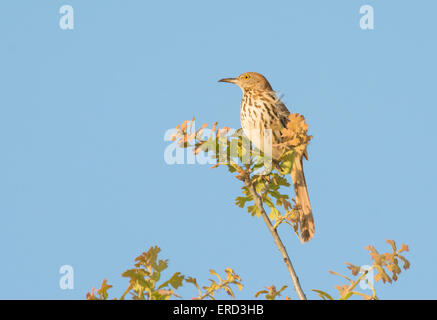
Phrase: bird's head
pixel 250 81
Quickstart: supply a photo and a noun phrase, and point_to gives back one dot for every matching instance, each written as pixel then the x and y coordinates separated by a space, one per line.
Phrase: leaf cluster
pixel 232 149
pixel 144 281
pixel 208 292
pixel 271 293
pixel 383 264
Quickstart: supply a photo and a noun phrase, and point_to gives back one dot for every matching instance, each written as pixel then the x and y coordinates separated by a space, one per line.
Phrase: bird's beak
pixel 230 80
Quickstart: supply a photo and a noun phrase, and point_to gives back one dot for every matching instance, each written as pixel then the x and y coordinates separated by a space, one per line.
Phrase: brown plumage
pixel 260 109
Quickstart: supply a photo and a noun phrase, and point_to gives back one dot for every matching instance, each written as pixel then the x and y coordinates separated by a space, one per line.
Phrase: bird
pixel 261 110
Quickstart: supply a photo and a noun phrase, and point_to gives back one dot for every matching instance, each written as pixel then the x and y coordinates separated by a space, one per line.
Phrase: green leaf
pixel 261 292
pixel 323 294
pixel 103 292
pixel 241 201
pixel 175 281
pixel 274 214
pixel 253 210
pixel 215 274
pixel 231 168
pixel 287 162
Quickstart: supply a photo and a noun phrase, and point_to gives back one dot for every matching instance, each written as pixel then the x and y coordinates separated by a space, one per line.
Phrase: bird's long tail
pixel 306 220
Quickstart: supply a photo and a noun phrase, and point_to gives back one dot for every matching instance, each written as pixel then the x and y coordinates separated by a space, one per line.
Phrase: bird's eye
pixel 246 76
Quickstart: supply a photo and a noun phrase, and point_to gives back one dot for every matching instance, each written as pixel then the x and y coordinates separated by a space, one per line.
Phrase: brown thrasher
pixel 260 110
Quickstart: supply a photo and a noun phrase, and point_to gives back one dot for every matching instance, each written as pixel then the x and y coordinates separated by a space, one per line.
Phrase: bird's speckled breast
pixel 258 111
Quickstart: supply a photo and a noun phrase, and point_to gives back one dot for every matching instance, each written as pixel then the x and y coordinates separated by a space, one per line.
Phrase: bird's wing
pixel 283 114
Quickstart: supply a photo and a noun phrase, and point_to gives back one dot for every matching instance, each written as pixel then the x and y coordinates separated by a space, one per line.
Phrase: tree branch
pixel 259 203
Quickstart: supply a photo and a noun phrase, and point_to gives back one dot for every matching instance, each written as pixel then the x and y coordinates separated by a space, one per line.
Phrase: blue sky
pixel 83 114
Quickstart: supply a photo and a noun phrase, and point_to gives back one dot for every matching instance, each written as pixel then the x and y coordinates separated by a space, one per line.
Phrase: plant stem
pixel 354 284
pixel 259 203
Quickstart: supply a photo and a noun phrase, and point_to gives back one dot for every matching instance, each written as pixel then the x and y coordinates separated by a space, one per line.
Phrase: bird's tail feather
pixel 306 220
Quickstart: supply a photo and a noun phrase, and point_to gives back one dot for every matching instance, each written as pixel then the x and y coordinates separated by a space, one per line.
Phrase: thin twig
pixel 355 283
pixel 258 202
